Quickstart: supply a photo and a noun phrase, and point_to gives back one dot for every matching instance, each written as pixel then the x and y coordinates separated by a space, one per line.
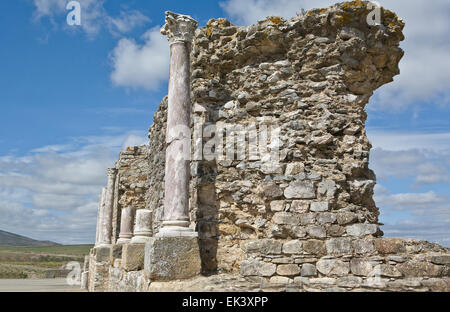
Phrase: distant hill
pixel 11 239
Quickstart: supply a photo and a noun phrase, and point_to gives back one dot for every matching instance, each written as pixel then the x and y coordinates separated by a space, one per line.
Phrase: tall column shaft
pixel 100 216
pixel 106 233
pixel 180 31
pixel 177 170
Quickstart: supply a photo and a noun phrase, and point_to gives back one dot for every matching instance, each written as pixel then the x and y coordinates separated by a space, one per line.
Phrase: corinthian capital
pixel 179 28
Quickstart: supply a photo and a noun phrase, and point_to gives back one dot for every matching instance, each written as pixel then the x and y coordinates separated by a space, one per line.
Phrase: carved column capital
pixel 179 28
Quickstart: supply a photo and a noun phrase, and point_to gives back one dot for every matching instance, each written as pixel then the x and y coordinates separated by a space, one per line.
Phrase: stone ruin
pixel 294 213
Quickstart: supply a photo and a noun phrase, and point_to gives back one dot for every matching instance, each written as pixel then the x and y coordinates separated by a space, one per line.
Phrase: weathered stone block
pixel 300 206
pixel 349 281
pixel 281 280
pixel 386 270
pixel 314 247
pixel 319 206
pixel 292 247
pixel 361 267
pixel 300 190
pixel 333 267
pixel 390 245
pixel 263 246
pixel 328 188
pixel 172 258
pixel 115 253
pixel 257 268
pixel 308 270
pixel 285 218
pixel 288 269
pixel 307 218
pixel 101 254
pixel 271 190
pixel 326 218
pixel 277 205
pixel 440 259
pixel 316 231
pixel 345 217
pixel 362 229
pixel 415 268
pixel 338 246
pixel 293 169
pixel 363 246
pixel 133 257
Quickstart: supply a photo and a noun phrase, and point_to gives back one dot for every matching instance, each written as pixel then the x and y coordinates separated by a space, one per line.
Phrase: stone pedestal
pixel 143 226
pixel 172 258
pixel 126 225
pixel 133 257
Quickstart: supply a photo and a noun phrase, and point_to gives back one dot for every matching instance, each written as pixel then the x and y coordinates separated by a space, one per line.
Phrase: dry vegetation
pixel 33 262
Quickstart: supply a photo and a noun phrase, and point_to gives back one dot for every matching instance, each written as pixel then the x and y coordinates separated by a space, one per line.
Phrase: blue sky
pixel 72 97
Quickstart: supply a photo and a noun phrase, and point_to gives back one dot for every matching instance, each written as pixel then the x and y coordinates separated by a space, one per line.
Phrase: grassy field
pixel 32 262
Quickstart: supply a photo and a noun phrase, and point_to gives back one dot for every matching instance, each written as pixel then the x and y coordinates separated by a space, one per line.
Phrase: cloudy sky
pixel 72 97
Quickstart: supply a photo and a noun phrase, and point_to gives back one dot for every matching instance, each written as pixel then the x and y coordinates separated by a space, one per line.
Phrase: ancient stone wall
pixel 156 163
pixel 306 220
pixel 310 76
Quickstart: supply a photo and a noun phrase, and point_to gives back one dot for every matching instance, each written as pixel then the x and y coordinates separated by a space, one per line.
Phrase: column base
pixel 139 240
pixel 170 258
pixel 176 229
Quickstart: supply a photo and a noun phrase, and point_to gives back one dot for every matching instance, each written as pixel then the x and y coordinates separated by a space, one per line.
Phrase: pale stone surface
pixel 172 258
pixel 308 270
pixel 300 190
pixel 133 257
pixel 319 206
pixel 126 225
pixel 361 229
pixel 263 246
pixel 288 269
pixel 337 246
pixel 257 268
pixel 333 267
pixel 180 31
pixel 105 235
pixel 143 226
pixel 99 216
pixel 292 247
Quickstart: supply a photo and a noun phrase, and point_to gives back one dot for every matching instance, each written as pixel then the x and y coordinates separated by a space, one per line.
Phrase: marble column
pixel 126 225
pixel 142 227
pixel 99 216
pixel 106 225
pixel 180 31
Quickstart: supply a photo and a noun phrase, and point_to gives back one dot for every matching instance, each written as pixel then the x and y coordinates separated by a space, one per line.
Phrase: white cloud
pixel 93 16
pixel 52 193
pixel 141 66
pixel 425 68
pixel 127 21
pixel 416 215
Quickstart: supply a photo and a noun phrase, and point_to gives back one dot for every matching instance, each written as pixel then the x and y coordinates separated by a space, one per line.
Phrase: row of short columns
pixel 130 231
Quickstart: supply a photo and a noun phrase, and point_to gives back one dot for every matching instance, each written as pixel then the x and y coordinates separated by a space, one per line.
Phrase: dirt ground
pixel 37 285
